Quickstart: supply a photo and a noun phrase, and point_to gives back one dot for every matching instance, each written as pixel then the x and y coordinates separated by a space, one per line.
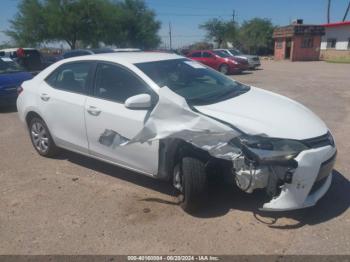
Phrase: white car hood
pixel 260 112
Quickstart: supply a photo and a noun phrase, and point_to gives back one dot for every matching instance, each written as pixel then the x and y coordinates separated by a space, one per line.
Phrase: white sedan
pixel 171 118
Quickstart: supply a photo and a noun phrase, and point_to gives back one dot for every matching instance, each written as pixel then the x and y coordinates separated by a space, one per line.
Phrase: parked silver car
pixel 253 60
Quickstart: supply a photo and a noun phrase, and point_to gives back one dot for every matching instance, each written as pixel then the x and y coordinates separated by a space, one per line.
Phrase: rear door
pixel 109 123
pixel 62 103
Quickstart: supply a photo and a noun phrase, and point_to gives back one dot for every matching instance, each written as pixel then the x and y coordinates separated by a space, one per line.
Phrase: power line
pixel 179 14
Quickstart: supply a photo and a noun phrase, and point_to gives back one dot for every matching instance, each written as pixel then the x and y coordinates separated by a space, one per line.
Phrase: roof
pixel 128 57
pixel 15 49
pixel 298 29
pixel 337 24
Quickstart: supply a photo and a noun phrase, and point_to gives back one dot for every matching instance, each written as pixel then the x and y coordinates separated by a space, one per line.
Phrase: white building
pixel 336 41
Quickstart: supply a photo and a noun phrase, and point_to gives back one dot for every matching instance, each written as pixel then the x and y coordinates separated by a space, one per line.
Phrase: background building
pixel 336 41
pixel 298 42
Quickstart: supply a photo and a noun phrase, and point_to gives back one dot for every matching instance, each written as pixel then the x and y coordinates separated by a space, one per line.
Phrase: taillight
pixel 19 90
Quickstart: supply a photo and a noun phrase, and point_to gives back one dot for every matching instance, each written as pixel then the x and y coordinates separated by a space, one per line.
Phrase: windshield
pixel 198 84
pixel 235 52
pixel 221 53
pixel 8 66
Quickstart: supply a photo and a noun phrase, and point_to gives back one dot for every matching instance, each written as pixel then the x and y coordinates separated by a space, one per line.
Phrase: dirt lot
pixel 76 205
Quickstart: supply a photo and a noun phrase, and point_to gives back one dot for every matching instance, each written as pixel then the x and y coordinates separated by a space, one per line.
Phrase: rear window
pixel 71 77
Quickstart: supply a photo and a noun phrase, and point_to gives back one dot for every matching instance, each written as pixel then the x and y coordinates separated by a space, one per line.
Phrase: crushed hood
pixel 260 112
pixel 212 127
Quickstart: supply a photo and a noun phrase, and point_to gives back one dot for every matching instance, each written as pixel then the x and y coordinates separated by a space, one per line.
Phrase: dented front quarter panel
pixel 296 195
pixel 173 118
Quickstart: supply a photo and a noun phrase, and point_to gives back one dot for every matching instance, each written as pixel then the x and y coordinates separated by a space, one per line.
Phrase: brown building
pixel 298 42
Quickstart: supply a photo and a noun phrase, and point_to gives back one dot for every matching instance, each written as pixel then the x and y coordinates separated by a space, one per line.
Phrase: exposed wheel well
pixel 171 151
pixel 31 115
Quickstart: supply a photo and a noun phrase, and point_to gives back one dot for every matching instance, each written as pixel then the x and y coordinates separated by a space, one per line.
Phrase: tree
pixel 220 31
pixel 28 25
pixel 140 27
pixel 201 46
pixel 255 36
pixel 89 22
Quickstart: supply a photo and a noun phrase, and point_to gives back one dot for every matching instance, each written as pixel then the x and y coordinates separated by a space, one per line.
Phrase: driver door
pixel 109 122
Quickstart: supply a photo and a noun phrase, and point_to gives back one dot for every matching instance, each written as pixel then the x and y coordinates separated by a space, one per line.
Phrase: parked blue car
pixel 11 77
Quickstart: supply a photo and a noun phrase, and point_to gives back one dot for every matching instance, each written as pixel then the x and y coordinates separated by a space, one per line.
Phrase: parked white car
pixel 172 118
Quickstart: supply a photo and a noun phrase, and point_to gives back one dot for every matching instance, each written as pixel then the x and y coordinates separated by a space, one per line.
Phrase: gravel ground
pixel 76 205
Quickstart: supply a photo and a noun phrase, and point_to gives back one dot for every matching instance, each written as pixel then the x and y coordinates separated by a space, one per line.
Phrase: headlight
pixel 233 61
pixel 264 149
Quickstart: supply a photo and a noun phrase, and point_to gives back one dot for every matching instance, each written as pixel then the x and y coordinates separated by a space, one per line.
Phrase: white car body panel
pixel 126 122
pixel 296 195
pixel 64 114
pixel 257 112
pixel 260 112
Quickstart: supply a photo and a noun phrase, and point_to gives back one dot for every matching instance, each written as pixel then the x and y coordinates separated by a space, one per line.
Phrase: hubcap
pixel 39 137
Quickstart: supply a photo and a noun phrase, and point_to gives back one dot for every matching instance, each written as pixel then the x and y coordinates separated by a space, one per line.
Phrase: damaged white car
pixel 172 118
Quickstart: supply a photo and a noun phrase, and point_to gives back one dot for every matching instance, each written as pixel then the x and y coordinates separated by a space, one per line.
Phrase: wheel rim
pixel 177 178
pixel 40 137
pixel 224 69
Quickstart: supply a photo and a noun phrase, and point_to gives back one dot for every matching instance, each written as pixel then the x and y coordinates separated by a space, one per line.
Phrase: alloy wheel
pixel 40 137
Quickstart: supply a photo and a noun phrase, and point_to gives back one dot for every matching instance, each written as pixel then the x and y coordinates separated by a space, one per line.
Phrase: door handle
pixel 45 97
pixel 94 111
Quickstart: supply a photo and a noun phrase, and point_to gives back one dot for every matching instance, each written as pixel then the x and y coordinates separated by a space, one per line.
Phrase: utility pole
pixel 328 11
pixel 170 37
pixel 346 12
pixel 233 15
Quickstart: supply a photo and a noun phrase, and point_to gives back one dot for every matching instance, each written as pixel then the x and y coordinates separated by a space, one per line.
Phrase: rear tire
pixel 224 69
pixel 41 138
pixel 194 184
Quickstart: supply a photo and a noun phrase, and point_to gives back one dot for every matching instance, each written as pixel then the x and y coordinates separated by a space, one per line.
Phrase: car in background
pixel 28 58
pixel 253 60
pixel 11 78
pixel 83 52
pixel 126 50
pixel 219 60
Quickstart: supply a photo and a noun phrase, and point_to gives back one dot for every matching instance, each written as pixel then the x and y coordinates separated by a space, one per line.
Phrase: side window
pixel 207 55
pixel 331 42
pixel 196 54
pixel 117 84
pixel 70 77
pixel 279 43
pixel 308 42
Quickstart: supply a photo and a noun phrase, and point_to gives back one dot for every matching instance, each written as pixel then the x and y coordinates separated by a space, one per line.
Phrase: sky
pixel 186 15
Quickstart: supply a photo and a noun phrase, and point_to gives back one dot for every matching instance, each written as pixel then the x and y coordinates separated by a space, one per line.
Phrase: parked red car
pixel 220 61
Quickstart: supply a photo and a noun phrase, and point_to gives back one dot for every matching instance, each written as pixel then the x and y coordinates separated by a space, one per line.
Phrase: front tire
pixel 194 184
pixel 224 69
pixel 41 138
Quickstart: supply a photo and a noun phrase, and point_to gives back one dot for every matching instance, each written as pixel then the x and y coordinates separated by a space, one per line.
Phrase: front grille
pixel 325 140
pixel 325 170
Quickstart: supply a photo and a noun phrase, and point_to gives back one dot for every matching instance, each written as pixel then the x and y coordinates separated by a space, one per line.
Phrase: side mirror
pixel 142 101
